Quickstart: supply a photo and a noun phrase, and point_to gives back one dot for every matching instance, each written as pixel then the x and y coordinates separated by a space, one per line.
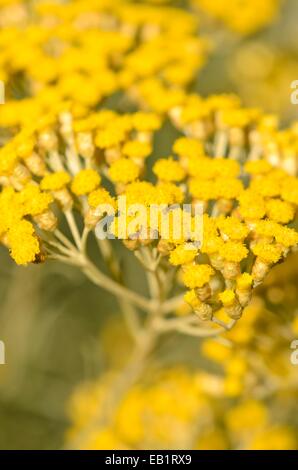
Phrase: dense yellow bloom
pixel 23 243
pixel 276 438
pixel 109 137
pixel 232 228
pixel 258 167
pixel 146 121
pixel 286 236
pixel 136 149
pixel 168 193
pixel 228 188
pixel 192 299
pixel 240 16
pixel 78 60
pixel 189 148
pixel 55 181
pixel 183 254
pixel 252 205
pixel 227 297
pixel 202 190
pixel 197 275
pixel 212 244
pixel 290 191
pixel 167 169
pixel 266 228
pixel 10 209
pixel 233 251
pixel 124 171
pixel 279 211
pixel 267 252
pixel 101 196
pixel 266 186
pixel 246 416
pixel 244 281
pixel 33 200
pixel 85 182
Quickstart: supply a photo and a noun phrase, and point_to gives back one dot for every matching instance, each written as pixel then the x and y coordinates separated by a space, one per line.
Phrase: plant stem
pixel 130 314
pixel 73 228
pixel 101 280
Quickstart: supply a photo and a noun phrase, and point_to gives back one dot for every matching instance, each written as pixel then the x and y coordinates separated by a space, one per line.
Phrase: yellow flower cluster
pixel 222 119
pixel 241 16
pixel 156 417
pixel 69 152
pixel 83 51
pixel 247 208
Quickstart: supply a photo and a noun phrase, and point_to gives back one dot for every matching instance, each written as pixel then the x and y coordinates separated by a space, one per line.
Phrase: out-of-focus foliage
pixel 242 396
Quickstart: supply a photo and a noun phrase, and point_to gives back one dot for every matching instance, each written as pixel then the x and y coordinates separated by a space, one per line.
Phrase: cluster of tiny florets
pixel 67 152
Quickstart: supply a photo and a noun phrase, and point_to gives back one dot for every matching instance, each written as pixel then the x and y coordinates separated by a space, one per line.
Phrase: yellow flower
pixel 33 200
pixel 276 438
pixel 258 167
pixel 268 253
pixel 227 297
pixel 25 148
pixel 197 275
pixel 55 181
pixel 252 205
pixel 232 228
pixel 104 439
pixel 146 121
pixel 266 228
pixel 286 236
pixel 189 148
pixel 183 254
pixel 24 245
pixel 110 137
pixel 136 149
pixel 168 193
pixel 8 160
pixel 211 244
pixel 226 168
pixel 247 415
pixel 228 188
pixel 240 15
pixel 11 209
pixel 124 171
pixel 290 190
pixel 266 186
pixel 192 299
pixel 244 281
pixel 233 251
pixel 85 182
pixel 279 211
pixel 202 190
pixel 216 351
pixel 101 196
pixel 167 169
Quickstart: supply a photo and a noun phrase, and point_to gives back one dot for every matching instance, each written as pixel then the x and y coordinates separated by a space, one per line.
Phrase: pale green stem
pixel 73 228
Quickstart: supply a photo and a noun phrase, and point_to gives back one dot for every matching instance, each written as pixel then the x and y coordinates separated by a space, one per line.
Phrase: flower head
pixel 268 253
pixel 55 181
pixel 197 275
pixel 85 182
pixel 167 169
pixel 124 171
